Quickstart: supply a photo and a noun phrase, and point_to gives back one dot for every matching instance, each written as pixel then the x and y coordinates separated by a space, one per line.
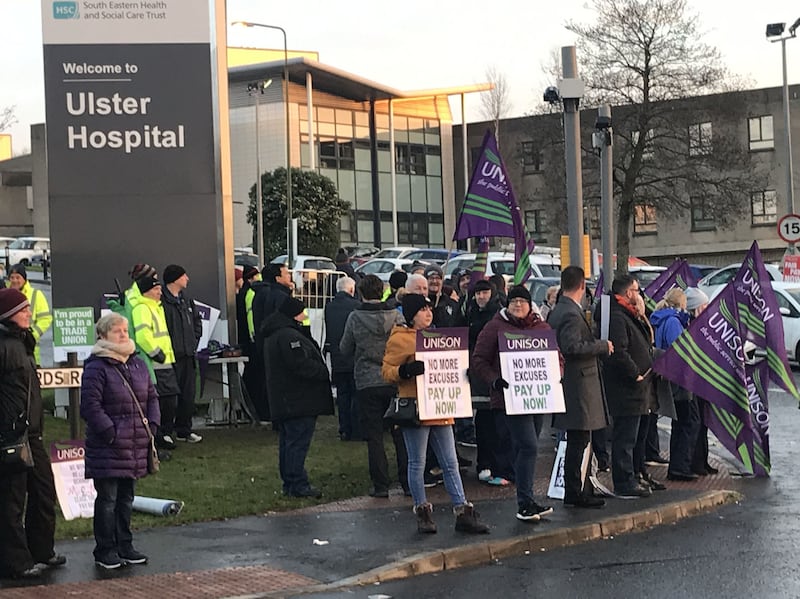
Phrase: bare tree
pixel 7 117
pixel 645 57
pixel 495 103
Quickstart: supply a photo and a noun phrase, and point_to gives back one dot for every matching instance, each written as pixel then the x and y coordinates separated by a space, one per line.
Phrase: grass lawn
pixel 234 472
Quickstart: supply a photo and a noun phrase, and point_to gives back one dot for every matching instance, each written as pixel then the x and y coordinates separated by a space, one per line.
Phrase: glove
pixel 499 384
pixel 412 369
pixel 160 357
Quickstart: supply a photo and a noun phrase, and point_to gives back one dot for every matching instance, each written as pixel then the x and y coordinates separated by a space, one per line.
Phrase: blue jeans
pixel 294 439
pixel 444 446
pixel 524 430
pixel 112 516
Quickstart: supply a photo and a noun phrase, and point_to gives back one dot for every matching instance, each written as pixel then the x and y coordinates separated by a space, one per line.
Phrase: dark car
pixel 359 254
pixel 538 287
pixel 701 270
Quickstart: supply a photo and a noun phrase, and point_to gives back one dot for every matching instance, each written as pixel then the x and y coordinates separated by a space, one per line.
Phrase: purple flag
pixel 677 275
pixel 523 248
pixel 760 316
pixel 490 205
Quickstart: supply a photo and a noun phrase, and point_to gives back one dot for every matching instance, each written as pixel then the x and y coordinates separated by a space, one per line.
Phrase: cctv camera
pixel 551 95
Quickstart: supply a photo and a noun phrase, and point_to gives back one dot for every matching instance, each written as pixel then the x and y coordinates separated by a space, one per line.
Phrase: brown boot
pixel 425 523
pixel 467 520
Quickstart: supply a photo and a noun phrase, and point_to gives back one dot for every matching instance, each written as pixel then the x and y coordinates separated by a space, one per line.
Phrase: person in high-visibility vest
pixel 41 316
pixel 153 341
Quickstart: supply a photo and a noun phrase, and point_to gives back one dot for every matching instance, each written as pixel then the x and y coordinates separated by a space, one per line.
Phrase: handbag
pixel 153 463
pixel 16 456
pixel 402 411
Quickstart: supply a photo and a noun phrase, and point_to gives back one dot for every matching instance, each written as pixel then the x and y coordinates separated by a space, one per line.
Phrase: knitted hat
pixel 413 303
pixel 11 302
pixel 482 285
pixel 20 270
pixel 172 273
pixel 145 284
pixel 249 272
pixel 519 291
pixel 397 279
pixel 141 270
pixel 695 298
pixel 237 274
pixel 461 272
pixel 291 307
pixel 434 269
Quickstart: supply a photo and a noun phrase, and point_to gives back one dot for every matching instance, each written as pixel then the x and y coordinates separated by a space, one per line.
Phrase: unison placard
pixel 443 389
pixel 529 362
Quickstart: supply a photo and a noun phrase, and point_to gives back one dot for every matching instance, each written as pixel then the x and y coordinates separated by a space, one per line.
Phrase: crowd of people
pixel 139 389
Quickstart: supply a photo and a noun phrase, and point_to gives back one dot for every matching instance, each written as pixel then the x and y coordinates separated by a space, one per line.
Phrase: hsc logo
pixel 65 10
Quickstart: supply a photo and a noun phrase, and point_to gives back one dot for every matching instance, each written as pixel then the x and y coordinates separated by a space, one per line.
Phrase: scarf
pixel 116 351
pixel 623 301
pixel 524 323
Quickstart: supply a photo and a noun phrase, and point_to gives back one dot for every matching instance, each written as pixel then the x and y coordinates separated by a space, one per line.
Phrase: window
pixel 644 220
pixel 536 223
pixel 699 139
pixel 648 143
pixel 764 207
pixel 702 219
pixel 531 157
pixel 410 158
pixel 761 134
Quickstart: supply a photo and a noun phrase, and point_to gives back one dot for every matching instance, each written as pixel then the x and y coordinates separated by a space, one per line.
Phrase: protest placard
pixel 443 390
pixel 75 493
pixel 529 362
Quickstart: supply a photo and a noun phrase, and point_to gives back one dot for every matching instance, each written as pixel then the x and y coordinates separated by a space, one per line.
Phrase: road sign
pixel 791 268
pixel 59 378
pixel 789 228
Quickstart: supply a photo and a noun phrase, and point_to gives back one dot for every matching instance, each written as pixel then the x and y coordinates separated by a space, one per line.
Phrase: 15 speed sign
pixel 789 228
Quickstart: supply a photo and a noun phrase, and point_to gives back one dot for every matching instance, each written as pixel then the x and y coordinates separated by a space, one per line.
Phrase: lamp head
pixel 794 27
pixel 241 24
pixel 775 29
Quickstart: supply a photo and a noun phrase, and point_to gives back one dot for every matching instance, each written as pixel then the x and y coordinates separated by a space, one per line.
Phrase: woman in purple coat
pixel 117 442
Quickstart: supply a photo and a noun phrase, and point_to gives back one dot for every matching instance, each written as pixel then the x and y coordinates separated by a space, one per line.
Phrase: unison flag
pixel 489 206
pixel 677 275
pixel 760 316
pixel 479 267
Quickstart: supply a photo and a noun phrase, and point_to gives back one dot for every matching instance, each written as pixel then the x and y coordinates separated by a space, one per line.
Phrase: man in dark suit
pixel 583 391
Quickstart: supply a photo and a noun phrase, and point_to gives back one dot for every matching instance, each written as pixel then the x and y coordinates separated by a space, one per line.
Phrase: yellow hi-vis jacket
pixel 41 316
pixel 150 328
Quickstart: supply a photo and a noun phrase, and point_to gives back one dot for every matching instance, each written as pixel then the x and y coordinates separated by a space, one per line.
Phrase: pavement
pixel 330 547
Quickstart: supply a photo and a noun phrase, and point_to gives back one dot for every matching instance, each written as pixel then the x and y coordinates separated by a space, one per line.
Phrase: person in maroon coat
pixel 524 428
pixel 117 439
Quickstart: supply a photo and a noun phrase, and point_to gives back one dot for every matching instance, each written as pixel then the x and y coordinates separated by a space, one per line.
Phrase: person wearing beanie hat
pixel 401 367
pixel 41 317
pixel 141 270
pixel 397 280
pixel 461 280
pixel 132 293
pixel 485 365
pixel 185 326
pixel 695 300
pixel 445 308
pixel 23 552
pixel 298 390
pixel 413 303
pixel 155 347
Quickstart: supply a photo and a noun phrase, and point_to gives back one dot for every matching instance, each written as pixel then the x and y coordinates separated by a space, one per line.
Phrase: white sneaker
pixel 485 475
pixel 168 439
pixel 191 438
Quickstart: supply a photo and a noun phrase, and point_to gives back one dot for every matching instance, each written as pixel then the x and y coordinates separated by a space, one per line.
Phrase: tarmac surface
pixel 361 541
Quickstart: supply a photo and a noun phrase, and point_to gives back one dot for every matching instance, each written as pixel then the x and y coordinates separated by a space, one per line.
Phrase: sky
pixel 419 44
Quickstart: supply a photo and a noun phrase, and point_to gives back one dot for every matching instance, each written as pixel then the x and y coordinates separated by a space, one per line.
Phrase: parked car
pixel 395 252
pixel 538 287
pixel 23 249
pixel 788 296
pixel 701 270
pixel 244 258
pixel 646 274
pixel 302 264
pixel 437 255
pixel 359 254
pixel 384 267
pixel 542 265
pixel 712 283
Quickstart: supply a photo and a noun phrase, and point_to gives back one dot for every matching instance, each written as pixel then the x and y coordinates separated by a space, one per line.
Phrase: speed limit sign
pixel 789 228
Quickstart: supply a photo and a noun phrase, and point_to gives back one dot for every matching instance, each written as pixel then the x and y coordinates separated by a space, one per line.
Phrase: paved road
pixel 744 550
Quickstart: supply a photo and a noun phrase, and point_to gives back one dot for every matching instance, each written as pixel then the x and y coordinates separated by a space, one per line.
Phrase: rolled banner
pixel 157 507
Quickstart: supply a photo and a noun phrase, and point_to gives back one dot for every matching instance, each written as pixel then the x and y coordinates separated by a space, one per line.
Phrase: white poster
pixel 443 389
pixel 529 363
pixel 75 494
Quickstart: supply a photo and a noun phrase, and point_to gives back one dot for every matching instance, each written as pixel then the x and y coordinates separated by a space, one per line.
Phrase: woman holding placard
pixel 401 367
pixel 524 428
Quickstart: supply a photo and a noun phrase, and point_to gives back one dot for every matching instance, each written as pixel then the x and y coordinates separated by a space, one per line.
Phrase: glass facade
pixel 344 155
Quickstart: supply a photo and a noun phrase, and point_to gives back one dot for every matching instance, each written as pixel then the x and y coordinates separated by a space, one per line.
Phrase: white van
pixel 542 265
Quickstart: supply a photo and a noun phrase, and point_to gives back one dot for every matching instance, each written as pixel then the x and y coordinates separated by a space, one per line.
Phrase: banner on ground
pixel 443 390
pixel 529 362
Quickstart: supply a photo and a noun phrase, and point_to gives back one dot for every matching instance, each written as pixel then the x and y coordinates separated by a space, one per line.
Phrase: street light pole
pixel 257 89
pixel 289 244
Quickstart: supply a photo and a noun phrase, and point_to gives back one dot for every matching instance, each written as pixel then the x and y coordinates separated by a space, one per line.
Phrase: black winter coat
pixel 445 311
pixel 269 295
pixel 583 390
pixel 477 318
pixel 632 357
pixel 184 323
pixel 298 383
pixel 336 313
pixel 17 376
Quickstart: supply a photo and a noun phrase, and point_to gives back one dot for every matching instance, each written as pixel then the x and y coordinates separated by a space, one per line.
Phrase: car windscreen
pixel 550 270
